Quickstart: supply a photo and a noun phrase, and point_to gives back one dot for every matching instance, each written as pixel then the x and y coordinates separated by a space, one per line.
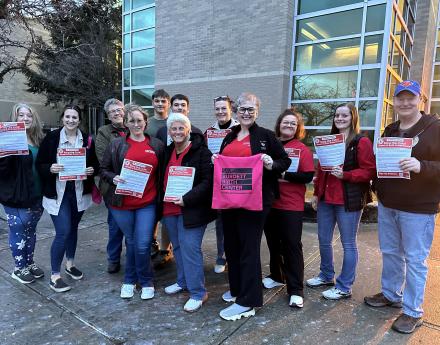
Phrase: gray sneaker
pixel 23 276
pixel 36 271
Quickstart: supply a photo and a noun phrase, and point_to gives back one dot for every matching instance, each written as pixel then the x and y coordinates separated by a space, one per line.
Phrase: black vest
pixel 356 195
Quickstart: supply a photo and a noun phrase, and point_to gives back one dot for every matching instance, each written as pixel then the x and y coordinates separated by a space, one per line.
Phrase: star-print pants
pixel 22 233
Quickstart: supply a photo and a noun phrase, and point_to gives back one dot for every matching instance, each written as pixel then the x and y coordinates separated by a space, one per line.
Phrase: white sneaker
pixel 172 289
pixel 318 281
pixel 236 312
pixel 147 292
pixel 219 268
pixel 296 301
pixel 193 305
pixel 335 294
pixel 269 283
pixel 227 297
pixel 127 290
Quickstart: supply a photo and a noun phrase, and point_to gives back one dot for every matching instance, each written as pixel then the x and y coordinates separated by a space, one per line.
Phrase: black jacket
pixel 197 210
pixel 162 133
pixel 264 141
pixel 356 195
pixel 112 165
pixel 421 193
pixel 47 155
pixel 17 182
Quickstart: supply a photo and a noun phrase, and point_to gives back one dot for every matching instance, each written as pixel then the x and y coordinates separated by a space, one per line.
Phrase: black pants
pixel 243 230
pixel 283 232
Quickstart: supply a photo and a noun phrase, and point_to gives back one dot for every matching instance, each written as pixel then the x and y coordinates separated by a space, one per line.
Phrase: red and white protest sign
pixel 215 138
pixel 180 181
pixel 135 175
pixel 330 150
pixel 74 163
pixel 294 155
pixel 13 139
pixel 389 152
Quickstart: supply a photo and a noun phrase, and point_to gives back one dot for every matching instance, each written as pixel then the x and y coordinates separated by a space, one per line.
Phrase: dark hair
pixel 223 98
pixel 181 97
pixel 73 107
pixel 355 126
pixel 300 130
pixel 160 93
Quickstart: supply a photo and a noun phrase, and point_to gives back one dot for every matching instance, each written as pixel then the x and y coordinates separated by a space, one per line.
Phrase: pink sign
pixel 238 183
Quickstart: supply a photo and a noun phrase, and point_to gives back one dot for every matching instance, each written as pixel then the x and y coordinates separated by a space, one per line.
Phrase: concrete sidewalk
pixel 93 313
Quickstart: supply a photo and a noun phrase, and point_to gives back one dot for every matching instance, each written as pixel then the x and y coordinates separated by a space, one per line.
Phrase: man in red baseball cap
pixel 407 210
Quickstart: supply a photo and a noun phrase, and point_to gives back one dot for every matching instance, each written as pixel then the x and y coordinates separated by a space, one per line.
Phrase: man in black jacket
pixel 407 211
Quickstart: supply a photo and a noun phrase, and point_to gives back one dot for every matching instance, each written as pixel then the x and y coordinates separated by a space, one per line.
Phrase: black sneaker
pixel 23 276
pixel 113 267
pixel 59 285
pixel 36 271
pixel 74 273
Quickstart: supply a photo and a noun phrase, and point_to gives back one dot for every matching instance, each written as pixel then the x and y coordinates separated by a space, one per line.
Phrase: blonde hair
pixel 35 131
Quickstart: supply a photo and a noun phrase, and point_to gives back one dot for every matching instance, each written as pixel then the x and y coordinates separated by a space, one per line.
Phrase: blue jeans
pixel 348 224
pixel 221 260
pixel 405 240
pixel 115 237
pixel 138 227
pixel 22 224
pixel 187 249
pixel 66 229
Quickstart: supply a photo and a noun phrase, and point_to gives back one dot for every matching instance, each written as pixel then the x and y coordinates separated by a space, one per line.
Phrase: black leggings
pixel 283 232
pixel 243 230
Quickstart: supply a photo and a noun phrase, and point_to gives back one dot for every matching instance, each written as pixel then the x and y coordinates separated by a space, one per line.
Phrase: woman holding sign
pixel 214 136
pixel 67 165
pixel 131 167
pixel 283 228
pixel 243 228
pixel 339 197
pixel 21 196
pixel 187 206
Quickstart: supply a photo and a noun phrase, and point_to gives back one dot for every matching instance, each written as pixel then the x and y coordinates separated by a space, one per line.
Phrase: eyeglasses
pixel 250 110
pixel 116 111
pixel 287 123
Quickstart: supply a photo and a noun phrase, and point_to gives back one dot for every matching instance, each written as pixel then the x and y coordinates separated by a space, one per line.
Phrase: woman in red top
pixel 187 215
pixel 135 215
pixel 243 228
pixel 339 197
pixel 283 228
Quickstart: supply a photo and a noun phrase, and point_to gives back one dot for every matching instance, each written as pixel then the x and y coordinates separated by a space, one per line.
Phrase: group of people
pixel 406 211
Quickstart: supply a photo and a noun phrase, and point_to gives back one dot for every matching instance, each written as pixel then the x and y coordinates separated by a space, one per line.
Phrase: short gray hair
pixel 247 96
pixel 112 101
pixel 178 117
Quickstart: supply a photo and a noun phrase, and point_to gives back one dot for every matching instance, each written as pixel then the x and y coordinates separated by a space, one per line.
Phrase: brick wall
pixel 211 48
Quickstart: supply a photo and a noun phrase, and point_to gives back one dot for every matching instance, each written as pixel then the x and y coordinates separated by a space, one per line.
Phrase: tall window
pixel 138 51
pixel 339 57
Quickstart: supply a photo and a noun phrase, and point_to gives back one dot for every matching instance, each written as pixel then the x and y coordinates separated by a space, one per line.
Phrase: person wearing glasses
pixel 339 197
pixel 65 201
pixel 114 109
pixel 223 115
pixel 283 228
pixel 136 216
pixel 21 196
pixel 242 228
